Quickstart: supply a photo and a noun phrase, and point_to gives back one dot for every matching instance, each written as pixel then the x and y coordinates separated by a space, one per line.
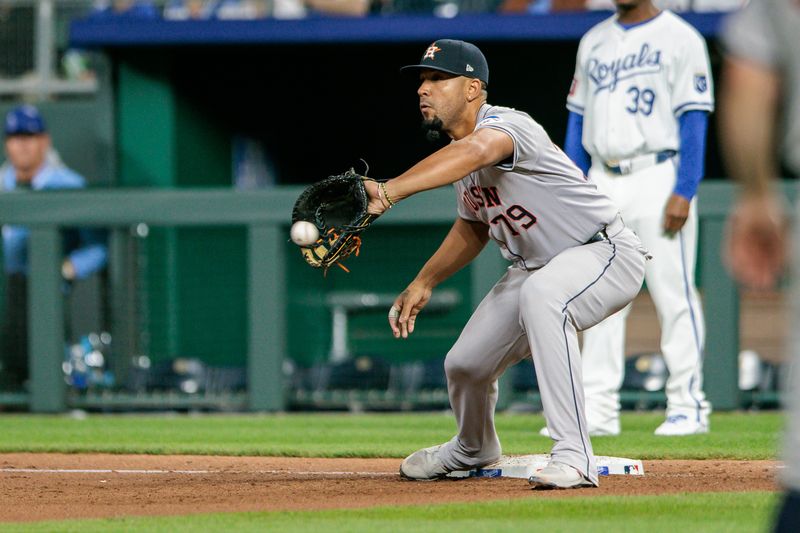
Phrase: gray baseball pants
pixel 539 312
pixel 790 374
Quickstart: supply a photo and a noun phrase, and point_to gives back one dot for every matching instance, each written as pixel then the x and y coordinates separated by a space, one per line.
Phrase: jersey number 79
pixel 517 213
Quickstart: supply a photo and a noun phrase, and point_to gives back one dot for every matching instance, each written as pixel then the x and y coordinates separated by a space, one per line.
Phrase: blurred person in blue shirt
pixel 215 9
pixel 256 9
pixel 33 165
pixel 132 9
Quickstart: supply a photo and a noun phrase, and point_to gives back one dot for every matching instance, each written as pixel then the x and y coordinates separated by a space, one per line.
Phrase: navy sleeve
pixel 573 144
pixel 693 126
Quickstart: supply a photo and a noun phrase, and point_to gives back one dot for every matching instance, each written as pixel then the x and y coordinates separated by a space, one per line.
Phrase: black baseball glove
pixel 337 206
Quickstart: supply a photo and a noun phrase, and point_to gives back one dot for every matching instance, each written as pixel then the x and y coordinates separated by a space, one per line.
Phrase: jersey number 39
pixel 641 101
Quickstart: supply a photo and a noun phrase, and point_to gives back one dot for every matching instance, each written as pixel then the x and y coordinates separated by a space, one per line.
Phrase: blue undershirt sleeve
pixel 573 144
pixel 693 127
pixel 92 256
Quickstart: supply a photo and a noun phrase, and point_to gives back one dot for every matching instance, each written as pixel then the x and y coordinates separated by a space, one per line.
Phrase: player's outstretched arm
pixel 482 148
pixel 755 247
pixel 461 245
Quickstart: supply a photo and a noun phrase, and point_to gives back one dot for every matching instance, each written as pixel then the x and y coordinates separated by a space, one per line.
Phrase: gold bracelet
pixel 382 185
pixel 380 197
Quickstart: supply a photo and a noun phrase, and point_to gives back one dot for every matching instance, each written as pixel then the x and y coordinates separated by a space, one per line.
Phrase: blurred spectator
pixel 289 9
pixel 348 8
pixel 700 6
pixel 216 9
pixel 545 6
pixel 133 9
pixel 242 9
pixel 32 165
pixel 188 9
pixel 450 8
pixel 255 9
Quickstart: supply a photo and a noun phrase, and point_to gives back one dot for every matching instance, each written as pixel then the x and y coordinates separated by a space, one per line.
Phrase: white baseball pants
pixel 641 197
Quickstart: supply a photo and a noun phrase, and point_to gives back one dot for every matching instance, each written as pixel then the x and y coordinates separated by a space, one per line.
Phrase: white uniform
pixel 543 213
pixel 631 85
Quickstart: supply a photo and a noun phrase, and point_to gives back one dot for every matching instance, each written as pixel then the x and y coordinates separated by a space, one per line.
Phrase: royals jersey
pixel 631 84
pixel 537 203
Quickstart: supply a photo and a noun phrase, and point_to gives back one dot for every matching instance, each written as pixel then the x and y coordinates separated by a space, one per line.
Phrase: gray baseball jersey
pixel 541 210
pixel 537 203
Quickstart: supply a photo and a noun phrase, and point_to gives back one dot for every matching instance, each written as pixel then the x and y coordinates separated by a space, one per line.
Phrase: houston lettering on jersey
pixel 476 197
pixel 606 75
pixel 482 197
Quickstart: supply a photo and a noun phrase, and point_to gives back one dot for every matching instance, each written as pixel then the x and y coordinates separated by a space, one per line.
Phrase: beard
pixel 432 128
pixel 626 7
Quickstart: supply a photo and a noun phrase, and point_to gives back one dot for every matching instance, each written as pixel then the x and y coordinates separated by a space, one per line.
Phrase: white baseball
pixel 304 233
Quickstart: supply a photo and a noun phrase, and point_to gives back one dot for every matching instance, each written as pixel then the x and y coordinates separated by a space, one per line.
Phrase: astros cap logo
pixel 459 58
pixel 432 49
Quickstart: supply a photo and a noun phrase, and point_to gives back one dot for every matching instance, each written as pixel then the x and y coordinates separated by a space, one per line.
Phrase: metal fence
pixel 270 383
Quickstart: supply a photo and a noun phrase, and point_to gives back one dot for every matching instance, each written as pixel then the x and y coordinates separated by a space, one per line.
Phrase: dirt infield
pixel 58 486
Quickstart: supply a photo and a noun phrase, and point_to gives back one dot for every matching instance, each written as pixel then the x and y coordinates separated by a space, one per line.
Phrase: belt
pixel 599 236
pixel 634 164
pixel 613 227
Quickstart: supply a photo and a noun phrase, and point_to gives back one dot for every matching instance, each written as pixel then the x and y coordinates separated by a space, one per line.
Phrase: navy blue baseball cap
pixel 24 120
pixel 456 57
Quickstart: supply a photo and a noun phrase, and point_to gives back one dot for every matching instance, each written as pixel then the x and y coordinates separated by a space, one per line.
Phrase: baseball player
pixel 573 262
pixel 638 113
pixel 762 85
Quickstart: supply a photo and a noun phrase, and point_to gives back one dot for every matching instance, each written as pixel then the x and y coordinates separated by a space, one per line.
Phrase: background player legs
pixel 490 342
pixel 670 280
pixel 603 350
pixel 603 372
pixel 575 290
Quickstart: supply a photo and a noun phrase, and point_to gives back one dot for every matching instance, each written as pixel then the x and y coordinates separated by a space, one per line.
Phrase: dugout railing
pixel 265 215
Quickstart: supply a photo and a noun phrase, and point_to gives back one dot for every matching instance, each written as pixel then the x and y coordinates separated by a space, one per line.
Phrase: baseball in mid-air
pixel 304 233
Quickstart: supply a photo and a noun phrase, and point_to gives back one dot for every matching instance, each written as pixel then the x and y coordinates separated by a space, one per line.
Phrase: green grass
pixel 696 513
pixel 733 435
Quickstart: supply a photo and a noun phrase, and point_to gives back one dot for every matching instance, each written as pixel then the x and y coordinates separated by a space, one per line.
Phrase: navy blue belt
pixel 613 227
pixel 599 236
pixel 633 164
